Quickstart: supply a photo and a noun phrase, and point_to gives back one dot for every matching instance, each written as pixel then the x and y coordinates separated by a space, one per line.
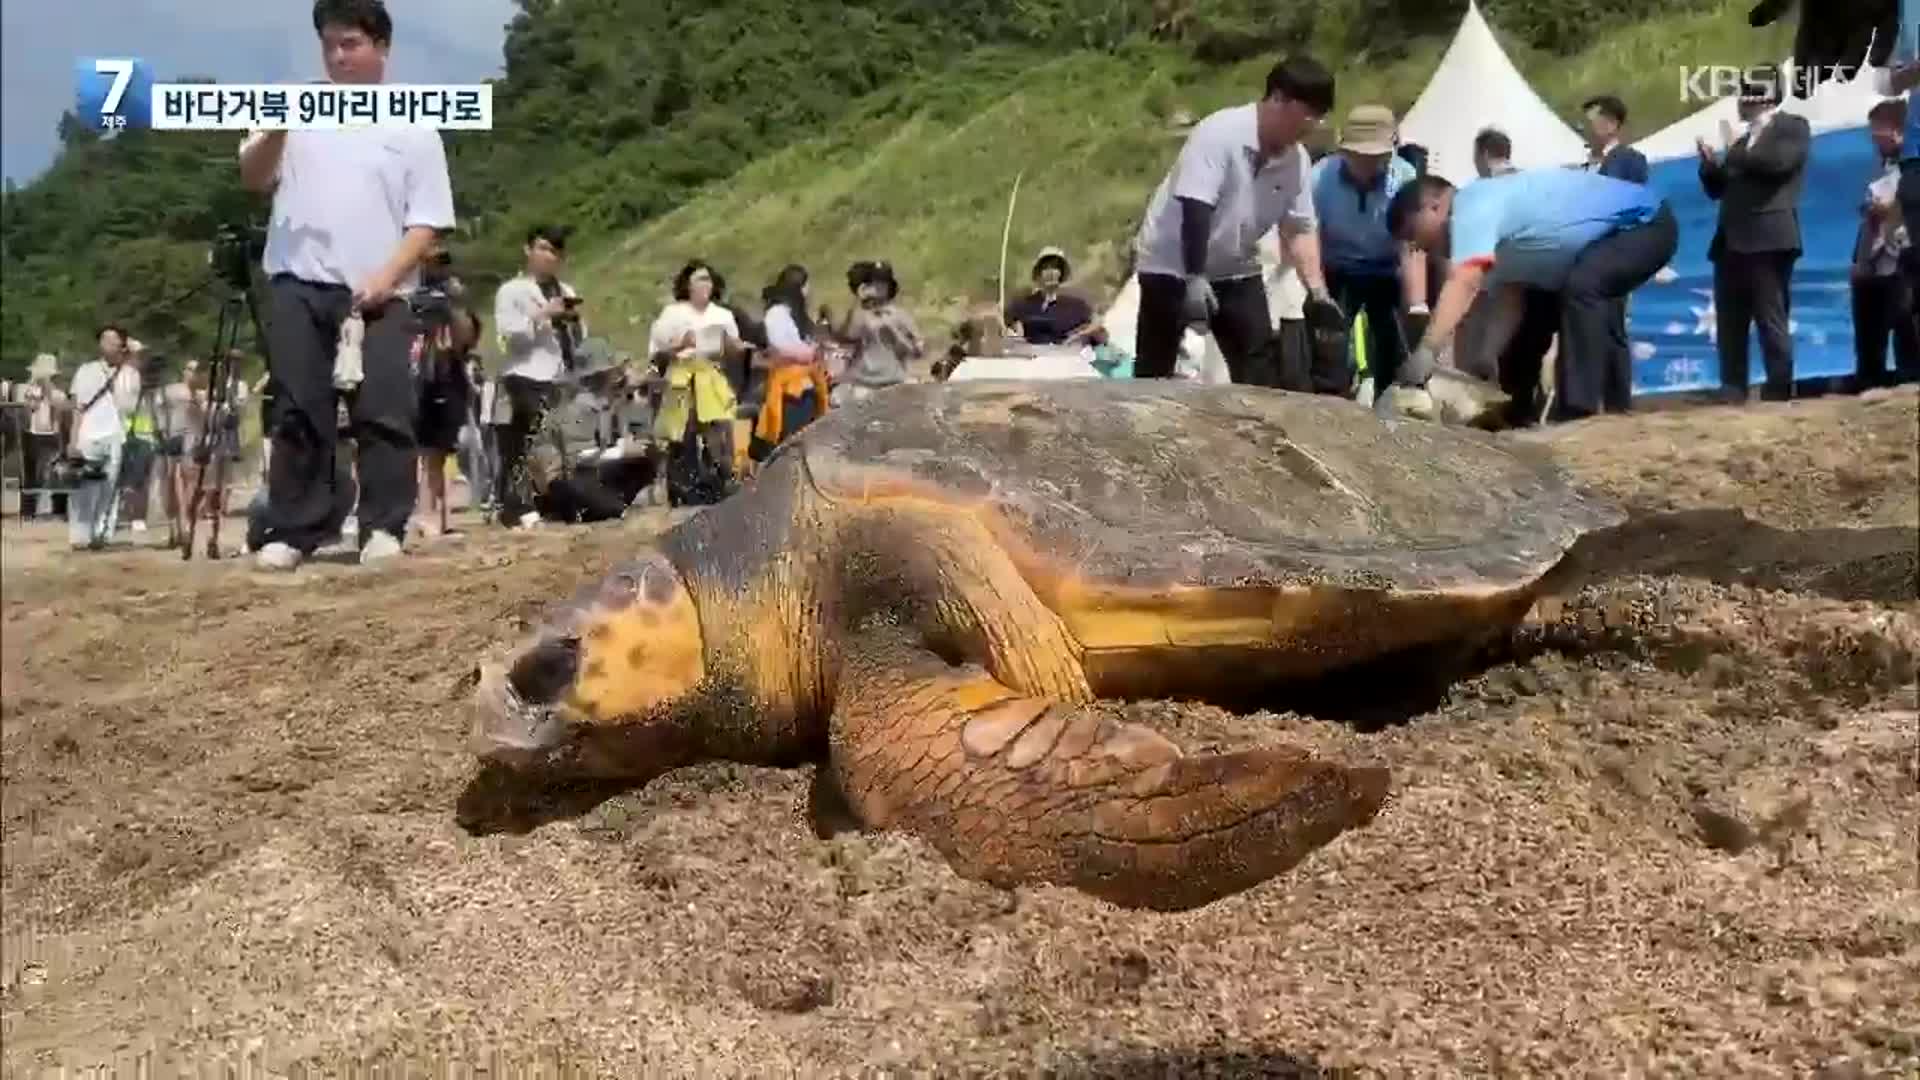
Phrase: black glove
pixel 1323 314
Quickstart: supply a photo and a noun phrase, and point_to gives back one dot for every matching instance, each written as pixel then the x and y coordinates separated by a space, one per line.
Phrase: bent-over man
pixel 1585 239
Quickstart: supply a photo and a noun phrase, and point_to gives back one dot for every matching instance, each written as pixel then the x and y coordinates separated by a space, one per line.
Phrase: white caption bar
pixel 319 106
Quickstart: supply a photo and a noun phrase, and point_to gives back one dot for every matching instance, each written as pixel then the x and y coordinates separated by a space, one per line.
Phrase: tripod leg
pixel 193 513
pixel 219 504
pixel 225 335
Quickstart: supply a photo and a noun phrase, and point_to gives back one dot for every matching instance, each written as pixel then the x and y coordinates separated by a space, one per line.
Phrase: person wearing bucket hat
pixel 46 409
pixel 1243 171
pixel 884 337
pixel 1366 268
pixel 1046 315
pixel 579 470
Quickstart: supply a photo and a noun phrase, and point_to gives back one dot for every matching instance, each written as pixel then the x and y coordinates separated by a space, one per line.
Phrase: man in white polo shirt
pixel 1241 173
pixel 354 212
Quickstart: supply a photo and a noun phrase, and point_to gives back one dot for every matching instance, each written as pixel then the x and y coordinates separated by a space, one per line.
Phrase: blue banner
pixel 1670 323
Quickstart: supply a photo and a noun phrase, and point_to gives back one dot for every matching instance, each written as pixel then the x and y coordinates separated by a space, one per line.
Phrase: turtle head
pixel 598 685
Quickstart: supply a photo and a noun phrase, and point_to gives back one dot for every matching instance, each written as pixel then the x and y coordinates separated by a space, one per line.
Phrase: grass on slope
pixel 921 175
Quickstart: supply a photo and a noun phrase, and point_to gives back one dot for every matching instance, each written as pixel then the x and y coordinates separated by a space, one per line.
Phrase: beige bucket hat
pixel 1369 130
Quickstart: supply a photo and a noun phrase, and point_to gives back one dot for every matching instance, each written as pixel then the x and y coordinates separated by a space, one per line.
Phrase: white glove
pixel 1417 369
pixel 1200 304
pixel 1401 400
pixel 347 369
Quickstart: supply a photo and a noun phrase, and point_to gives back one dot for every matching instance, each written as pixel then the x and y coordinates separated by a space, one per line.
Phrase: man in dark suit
pixel 1757 182
pixel 1606 141
pixel 1611 156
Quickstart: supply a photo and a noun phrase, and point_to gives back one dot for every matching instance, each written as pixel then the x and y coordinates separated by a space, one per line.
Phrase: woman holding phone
pixel 691 341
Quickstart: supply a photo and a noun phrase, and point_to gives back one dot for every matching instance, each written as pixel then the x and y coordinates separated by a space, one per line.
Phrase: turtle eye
pixel 543 673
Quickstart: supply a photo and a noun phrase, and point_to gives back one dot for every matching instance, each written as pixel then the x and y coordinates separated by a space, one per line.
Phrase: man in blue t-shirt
pixel 1580 238
pixel 1365 267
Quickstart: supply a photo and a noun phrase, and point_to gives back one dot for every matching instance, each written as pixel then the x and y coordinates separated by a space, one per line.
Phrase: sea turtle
pixel 925 593
pixel 1451 396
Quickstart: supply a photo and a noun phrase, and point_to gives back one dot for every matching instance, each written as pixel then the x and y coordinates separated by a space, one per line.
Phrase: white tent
pixel 1835 106
pixel 1475 87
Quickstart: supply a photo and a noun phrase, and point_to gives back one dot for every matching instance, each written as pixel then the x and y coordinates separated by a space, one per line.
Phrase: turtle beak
pixel 516 716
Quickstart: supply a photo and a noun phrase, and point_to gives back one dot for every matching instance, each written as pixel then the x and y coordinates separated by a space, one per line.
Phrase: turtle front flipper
pixel 956 581
pixel 1016 790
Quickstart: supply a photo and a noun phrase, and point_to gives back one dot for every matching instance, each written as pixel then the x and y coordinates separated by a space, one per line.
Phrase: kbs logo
pixel 1703 83
pixel 113 92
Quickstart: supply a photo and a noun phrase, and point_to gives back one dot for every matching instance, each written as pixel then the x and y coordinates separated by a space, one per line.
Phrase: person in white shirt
pixel 536 317
pixel 135 387
pixel 46 408
pixel 476 435
pixel 796 388
pixel 691 340
pixel 183 411
pixel 1883 303
pixel 354 211
pixel 1242 171
pixel 98 436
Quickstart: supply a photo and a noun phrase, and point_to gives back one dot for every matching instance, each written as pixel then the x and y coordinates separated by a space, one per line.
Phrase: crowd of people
pixel 94 448
pixel 1505 275
pixel 376 378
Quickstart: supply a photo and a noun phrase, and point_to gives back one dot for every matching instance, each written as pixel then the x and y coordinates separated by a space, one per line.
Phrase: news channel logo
pixel 1703 84
pixel 113 93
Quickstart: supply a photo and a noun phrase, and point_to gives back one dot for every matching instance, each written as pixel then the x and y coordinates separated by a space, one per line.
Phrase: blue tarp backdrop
pixel 1671 323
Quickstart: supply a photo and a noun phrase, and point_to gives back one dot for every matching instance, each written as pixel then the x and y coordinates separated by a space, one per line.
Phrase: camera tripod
pixel 220 427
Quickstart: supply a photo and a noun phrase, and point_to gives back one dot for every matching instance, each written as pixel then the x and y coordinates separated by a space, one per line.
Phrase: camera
pixel 431 305
pixel 234 251
pixel 153 373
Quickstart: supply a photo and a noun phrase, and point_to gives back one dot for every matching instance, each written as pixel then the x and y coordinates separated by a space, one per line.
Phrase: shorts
pixel 443 412
pixel 136 462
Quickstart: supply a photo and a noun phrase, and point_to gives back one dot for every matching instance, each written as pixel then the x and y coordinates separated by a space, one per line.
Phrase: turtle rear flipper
pixel 1016 790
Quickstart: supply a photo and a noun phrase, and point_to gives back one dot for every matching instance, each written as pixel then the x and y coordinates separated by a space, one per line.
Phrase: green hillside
pixel 754 133
pixel 921 175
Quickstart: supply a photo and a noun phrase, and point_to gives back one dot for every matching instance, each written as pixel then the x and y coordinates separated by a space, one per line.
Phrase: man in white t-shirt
pixel 354 212
pixel 99 435
pixel 537 319
pixel 1242 172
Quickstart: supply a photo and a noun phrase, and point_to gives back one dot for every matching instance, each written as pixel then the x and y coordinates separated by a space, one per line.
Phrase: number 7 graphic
pixel 122 72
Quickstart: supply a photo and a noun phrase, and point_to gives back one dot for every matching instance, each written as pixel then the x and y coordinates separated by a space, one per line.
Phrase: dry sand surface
pixel 1671 830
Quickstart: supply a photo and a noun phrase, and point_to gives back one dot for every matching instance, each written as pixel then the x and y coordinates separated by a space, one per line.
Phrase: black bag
pixel 70 470
pixel 693 477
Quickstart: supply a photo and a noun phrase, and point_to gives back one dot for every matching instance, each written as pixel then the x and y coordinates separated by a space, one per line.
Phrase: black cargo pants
pixel 302 336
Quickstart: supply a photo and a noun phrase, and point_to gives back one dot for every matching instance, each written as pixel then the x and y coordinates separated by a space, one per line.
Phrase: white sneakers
pixel 380 546
pixel 277 556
